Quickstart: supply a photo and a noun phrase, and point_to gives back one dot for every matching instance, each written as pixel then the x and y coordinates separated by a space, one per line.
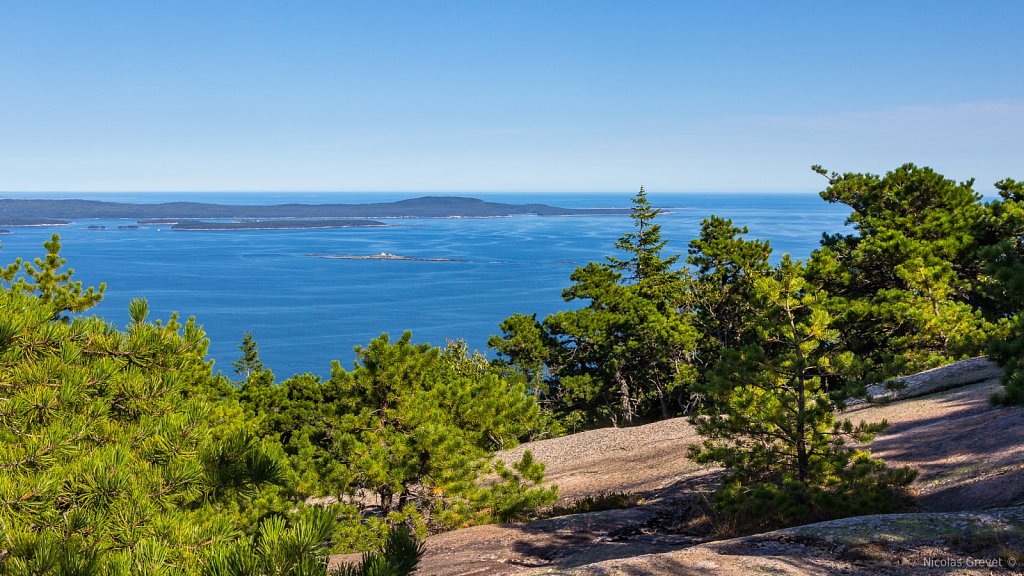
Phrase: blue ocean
pixel 306 311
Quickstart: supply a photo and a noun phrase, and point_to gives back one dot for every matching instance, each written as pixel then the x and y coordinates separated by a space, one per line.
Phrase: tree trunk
pixel 663 402
pixel 625 401
pixel 802 460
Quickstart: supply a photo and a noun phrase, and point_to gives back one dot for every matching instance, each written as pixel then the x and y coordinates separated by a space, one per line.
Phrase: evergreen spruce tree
pixel 645 265
pixel 250 363
pixel 628 352
pixel 771 424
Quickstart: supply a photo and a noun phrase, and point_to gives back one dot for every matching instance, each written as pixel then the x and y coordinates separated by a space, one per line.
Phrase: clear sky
pixel 475 96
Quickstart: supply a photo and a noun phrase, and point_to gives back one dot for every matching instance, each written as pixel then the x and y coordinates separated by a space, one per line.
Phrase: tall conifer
pixel 626 354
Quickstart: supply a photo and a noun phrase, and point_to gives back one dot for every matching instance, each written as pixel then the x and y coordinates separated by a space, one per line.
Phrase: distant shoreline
pixel 27 212
pixel 198 225
pixel 28 222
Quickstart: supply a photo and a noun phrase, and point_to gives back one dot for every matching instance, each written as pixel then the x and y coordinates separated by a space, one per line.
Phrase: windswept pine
pixel 771 423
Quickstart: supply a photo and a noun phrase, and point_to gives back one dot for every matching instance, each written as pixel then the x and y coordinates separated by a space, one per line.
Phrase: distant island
pixel 273 224
pixel 16 219
pixel 30 212
pixel 383 256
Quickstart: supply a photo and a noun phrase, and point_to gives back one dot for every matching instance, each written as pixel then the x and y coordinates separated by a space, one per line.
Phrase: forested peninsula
pixel 29 212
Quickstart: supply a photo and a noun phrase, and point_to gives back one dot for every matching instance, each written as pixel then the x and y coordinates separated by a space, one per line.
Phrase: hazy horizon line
pixel 396 192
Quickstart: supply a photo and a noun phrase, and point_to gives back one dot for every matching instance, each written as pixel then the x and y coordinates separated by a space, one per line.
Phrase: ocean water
pixel 305 311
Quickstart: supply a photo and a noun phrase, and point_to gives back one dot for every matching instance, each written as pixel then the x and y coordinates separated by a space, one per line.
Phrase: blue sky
pixel 452 96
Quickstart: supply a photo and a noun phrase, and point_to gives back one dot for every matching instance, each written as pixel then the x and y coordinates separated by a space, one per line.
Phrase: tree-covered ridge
pixel 286 224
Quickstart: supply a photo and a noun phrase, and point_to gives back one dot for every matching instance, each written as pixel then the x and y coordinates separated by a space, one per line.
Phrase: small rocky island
pixel 383 256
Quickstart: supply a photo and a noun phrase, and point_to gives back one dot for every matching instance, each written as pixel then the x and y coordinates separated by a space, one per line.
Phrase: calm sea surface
pixel 306 311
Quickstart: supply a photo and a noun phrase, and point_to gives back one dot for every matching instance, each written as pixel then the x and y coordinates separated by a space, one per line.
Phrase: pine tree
pixel 906 282
pixel 419 422
pixel 769 421
pixel 398 557
pixel 299 547
pixel 120 451
pixel 43 278
pixel 414 425
pixel 1004 265
pixel 525 346
pixel 725 268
